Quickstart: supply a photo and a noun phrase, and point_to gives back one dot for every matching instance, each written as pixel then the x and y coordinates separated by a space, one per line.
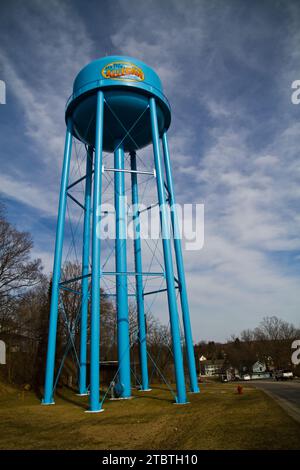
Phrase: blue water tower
pixel 118 106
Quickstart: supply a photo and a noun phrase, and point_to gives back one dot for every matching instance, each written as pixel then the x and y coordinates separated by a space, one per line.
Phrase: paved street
pixel 287 394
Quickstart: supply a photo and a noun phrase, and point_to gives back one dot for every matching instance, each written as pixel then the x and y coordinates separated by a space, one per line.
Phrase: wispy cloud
pixel 247 179
pixel 234 137
pixel 39 67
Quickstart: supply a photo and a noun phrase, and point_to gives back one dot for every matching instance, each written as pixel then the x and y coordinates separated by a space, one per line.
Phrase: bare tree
pixel 70 299
pixel 30 335
pixel 242 353
pixel 18 271
pixel 270 343
pixel 275 329
pixel 273 338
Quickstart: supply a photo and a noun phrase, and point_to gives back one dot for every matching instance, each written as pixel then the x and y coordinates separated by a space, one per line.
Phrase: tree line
pixel 270 343
pixel 25 295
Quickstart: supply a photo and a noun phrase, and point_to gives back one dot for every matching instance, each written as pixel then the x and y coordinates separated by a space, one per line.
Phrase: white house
pixel 259 367
pixel 211 367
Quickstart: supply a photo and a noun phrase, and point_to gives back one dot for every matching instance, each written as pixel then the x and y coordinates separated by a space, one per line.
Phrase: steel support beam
pixel 48 393
pixel 121 279
pixel 165 233
pixel 76 201
pixel 114 273
pixel 125 170
pixel 139 278
pixel 180 271
pixel 85 270
pixel 96 267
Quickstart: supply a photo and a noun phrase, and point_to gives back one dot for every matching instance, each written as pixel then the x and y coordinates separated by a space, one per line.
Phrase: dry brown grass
pixel 217 418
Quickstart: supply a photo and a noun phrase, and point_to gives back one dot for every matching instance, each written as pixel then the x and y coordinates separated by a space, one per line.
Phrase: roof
pixel 214 362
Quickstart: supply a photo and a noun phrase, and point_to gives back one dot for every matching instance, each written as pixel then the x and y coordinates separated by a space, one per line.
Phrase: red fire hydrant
pixel 240 389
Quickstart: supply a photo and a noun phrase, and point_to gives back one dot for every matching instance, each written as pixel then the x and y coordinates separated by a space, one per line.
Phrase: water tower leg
pixel 121 279
pixel 48 393
pixel 165 232
pixel 180 270
pixel 85 271
pixel 96 267
pixel 139 278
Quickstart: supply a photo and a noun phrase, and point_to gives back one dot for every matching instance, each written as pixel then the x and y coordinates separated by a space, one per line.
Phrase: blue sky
pixel 227 69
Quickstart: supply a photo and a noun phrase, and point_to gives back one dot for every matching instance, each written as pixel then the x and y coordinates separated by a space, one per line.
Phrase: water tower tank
pixel 128 83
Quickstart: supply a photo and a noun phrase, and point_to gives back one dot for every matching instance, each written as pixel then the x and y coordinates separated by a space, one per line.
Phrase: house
pixel 259 371
pixel 259 367
pixel 226 371
pixel 211 367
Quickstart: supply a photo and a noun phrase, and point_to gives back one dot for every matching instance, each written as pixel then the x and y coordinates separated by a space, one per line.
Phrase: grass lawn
pixel 217 418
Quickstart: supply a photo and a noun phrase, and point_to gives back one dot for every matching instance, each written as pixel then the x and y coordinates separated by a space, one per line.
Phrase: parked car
pixel 247 377
pixel 223 378
pixel 284 375
pixel 237 378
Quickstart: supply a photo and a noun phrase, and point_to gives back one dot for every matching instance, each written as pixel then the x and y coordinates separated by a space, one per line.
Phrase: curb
pixel 292 410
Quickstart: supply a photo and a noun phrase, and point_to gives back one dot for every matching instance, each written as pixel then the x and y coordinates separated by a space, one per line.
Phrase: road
pixel 286 393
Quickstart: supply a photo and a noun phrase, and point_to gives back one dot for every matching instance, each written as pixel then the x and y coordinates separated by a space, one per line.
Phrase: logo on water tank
pixel 123 71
